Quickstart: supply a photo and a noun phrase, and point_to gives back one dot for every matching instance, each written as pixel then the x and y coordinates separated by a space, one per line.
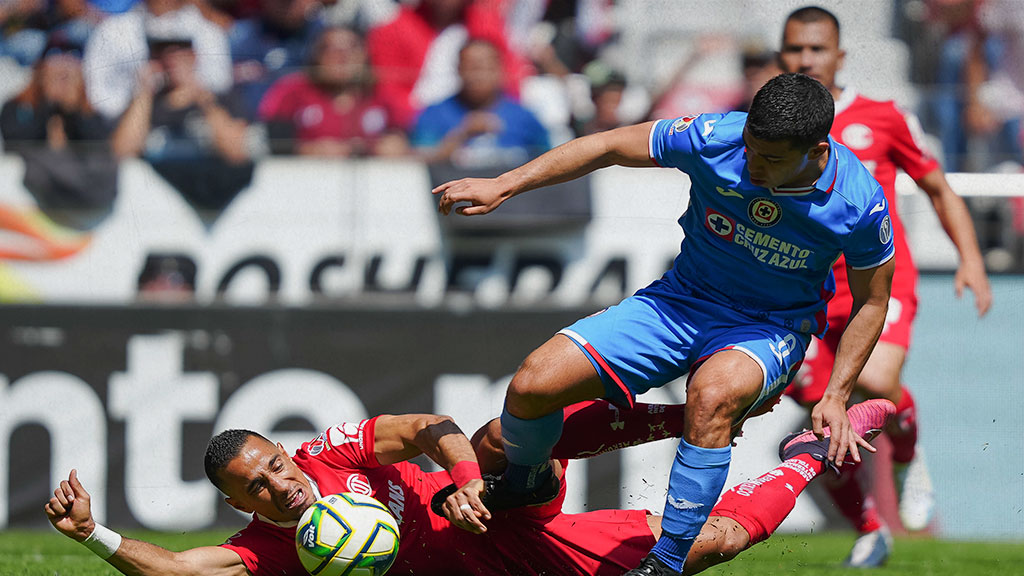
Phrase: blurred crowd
pixel 202 89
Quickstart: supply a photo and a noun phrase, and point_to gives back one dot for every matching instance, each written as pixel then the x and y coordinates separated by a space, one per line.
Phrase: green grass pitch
pixel 46 553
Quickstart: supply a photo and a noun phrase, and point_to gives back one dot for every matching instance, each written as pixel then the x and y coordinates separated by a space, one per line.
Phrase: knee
pixel 710 403
pixel 528 395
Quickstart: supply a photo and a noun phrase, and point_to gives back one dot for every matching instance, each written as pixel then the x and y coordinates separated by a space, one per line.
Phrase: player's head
pixel 787 130
pixel 257 475
pixel 810 45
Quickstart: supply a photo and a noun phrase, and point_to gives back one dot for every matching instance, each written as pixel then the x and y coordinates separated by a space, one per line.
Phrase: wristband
pixel 103 541
pixel 465 471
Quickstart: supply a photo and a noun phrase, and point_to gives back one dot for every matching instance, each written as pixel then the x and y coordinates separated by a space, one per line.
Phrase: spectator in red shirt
pixel 330 109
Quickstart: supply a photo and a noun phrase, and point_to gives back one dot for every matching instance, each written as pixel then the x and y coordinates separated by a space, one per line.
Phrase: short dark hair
pixel 810 14
pixel 224 448
pixel 793 107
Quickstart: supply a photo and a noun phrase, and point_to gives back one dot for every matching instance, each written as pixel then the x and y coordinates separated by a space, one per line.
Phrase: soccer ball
pixel 347 535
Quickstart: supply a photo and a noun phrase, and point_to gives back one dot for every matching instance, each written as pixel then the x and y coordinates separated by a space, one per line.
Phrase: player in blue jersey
pixel 774 201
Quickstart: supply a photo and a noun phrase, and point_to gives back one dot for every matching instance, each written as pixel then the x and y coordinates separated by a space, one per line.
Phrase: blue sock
pixel 528 445
pixel 696 481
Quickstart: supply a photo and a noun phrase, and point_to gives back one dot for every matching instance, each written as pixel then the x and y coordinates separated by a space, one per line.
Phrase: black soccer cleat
pixel 651 566
pixel 497 495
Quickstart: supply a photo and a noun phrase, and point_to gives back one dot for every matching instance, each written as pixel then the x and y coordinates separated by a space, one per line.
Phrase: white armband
pixel 103 541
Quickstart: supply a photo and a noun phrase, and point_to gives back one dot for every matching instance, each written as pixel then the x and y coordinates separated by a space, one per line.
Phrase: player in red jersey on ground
pixel 885 139
pixel 371 457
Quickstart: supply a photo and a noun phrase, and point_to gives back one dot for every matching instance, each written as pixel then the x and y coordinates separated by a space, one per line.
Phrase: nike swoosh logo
pixel 729 192
pixel 878 208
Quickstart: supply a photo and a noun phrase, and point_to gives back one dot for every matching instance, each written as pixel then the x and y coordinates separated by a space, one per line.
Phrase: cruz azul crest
pixel 764 212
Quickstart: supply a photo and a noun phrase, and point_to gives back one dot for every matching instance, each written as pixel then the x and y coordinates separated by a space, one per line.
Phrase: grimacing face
pixel 265 480
pixel 812 48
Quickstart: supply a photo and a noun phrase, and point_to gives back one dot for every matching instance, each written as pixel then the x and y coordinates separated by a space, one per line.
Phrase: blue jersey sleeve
pixel 870 242
pixel 674 143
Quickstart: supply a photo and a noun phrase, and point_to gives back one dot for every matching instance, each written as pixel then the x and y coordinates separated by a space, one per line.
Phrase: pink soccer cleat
pixel 867 418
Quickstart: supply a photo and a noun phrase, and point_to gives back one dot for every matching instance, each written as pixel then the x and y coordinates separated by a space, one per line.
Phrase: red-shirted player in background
pixel 884 138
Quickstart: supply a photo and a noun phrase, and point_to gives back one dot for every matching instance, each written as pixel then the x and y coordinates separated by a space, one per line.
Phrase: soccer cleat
pixel 871 550
pixel 497 495
pixel 867 418
pixel 914 488
pixel 651 566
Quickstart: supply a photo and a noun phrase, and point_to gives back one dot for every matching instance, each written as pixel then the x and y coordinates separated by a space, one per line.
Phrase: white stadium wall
pixel 151 382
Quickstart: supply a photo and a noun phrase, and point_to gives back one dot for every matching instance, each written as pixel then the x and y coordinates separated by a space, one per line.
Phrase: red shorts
pixel 809 385
pixel 542 540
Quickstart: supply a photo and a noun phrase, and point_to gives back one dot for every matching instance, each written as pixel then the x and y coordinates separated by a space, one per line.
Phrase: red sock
pixel 597 426
pixel 848 495
pixel 759 506
pixel 902 428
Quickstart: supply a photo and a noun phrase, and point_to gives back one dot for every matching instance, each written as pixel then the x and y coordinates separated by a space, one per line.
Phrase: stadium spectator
pixel 736 311
pixel 479 126
pixel 195 139
pixel 415 56
pixel 884 138
pixel 276 42
pixel 606 90
pixel 69 167
pixel 330 108
pixel 260 478
pixel 118 48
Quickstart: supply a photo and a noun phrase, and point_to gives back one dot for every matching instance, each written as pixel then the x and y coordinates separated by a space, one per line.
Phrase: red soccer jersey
pixel 526 542
pixel 885 138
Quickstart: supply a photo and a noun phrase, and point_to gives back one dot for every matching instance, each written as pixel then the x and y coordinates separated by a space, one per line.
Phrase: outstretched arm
pixel 70 513
pixel 870 290
pixel 627 146
pixel 956 221
pixel 400 438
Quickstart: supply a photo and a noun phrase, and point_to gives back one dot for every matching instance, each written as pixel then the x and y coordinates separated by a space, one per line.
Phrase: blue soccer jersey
pixel 768 253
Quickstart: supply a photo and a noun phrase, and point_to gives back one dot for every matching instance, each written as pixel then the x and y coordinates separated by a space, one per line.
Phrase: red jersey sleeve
pixel 265 549
pixel 347 445
pixel 908 151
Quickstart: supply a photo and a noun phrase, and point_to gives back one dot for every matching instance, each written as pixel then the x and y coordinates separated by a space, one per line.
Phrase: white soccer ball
pixel 347 534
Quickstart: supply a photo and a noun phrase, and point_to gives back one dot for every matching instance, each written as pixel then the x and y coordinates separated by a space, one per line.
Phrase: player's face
pixel 264 479
pixel 812 48
pixel 774 163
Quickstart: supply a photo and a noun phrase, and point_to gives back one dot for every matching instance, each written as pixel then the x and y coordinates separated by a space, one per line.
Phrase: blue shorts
pixel 655 336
